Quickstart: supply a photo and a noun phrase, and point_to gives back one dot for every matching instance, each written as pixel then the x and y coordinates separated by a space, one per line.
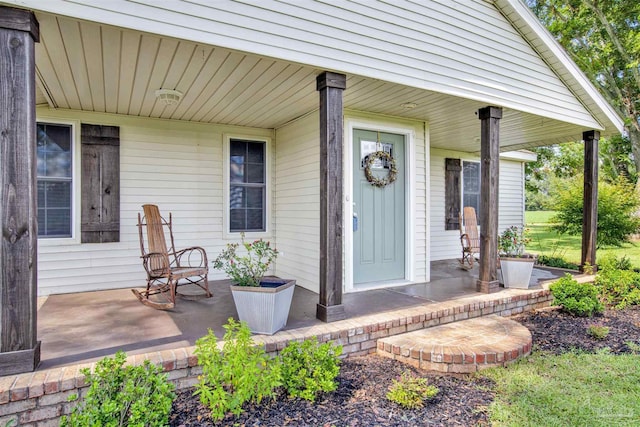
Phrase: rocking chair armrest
pixel 465 240
pixel 186 253
pixel 159 259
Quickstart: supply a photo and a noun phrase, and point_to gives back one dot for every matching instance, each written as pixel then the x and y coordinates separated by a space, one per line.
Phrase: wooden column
pixel 330 85
pixel 590 198
pixel 19 347
pixel 489 180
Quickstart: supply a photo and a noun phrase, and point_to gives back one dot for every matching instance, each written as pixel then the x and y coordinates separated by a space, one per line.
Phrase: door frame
pixel 410 174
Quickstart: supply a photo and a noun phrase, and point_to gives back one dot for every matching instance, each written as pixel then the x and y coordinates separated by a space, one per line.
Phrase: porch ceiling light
pixel 168 96
pixel 409 105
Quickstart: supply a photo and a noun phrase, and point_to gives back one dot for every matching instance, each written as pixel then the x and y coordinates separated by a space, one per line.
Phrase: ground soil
pixel 462 401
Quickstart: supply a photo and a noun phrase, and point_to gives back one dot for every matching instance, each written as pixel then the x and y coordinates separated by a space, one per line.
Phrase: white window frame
pixel 226 150
pixel 76 185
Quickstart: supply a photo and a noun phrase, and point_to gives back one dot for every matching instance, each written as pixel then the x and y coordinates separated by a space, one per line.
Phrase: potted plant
pixel 516 265
pixel 262 303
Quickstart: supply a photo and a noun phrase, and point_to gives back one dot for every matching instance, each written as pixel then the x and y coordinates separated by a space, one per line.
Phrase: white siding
pixel 297 201
pixel 466 48
pixel 176 165
pixel 445 244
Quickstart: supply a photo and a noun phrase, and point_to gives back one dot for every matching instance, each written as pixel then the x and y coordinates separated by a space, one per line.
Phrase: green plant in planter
pixel 512 241
pixel 123 396
pixel 246 269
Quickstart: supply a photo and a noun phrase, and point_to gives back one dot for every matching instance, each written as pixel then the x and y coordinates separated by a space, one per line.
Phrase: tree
pixel 603 38
pixel 617 203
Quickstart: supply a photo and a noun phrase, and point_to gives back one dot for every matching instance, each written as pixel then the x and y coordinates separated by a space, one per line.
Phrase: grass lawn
pixel 548 242
pixel 573 389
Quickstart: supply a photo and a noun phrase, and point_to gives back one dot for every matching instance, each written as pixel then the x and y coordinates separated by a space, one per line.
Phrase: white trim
pixel 520 155
pixel 410 177
pixel 226 233
pixel 557 52
pixel 76 184
pixel 427 182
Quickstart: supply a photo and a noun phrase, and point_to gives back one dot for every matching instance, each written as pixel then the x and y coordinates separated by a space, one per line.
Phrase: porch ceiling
pixel 92 67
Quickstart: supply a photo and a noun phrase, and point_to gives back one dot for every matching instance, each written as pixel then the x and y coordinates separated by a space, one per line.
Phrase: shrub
pixel 617 205
pixel 309 368
pixel 556 261
pixel 619 285
pixel 410 391
pixel 598 332
pixel 579 299
pixel 239 372
pixel 117 396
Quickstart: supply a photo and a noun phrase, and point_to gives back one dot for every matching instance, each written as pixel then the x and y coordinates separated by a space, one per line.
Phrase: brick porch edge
pixel 39 398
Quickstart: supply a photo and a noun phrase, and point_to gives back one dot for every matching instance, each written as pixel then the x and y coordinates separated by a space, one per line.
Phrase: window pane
pixel 57 195
pixel 58 222
pixel 54 150
pixel 236 197
pixel 255 152
pixel 236 171
pixel 471 177
pixel 256 174
pixel 237 220
pixel 238 149
pixel 254 198
pixel 255 220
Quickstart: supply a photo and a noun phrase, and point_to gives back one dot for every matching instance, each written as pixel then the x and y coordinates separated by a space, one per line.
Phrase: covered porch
pixel 86 69
pixel 84 327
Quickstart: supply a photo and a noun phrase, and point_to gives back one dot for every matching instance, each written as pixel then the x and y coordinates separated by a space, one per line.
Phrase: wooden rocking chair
pixel 166 267
pixel 469 237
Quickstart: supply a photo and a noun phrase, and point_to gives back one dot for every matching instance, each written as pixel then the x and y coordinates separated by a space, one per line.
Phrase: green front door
pixel 379 212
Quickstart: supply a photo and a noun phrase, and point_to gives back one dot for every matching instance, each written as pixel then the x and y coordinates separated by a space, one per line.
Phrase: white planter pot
pixel 265 309
pixel 516 272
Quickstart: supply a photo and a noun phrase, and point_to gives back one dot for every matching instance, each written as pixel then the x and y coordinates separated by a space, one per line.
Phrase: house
pixel 258 117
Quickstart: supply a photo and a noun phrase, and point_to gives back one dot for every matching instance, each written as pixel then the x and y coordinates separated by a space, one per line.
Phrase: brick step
pixel 460 347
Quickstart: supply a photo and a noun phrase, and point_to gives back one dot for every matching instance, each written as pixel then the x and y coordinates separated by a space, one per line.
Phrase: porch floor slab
pixel 460 347
pixel 84 327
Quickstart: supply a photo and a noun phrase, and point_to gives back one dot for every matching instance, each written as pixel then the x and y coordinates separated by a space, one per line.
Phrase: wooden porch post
pixel 489 180
pixel 19 347
pixel 330 85
pixel 590 198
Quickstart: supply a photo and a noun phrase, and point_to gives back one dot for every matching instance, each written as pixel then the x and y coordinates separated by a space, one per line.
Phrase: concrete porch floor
pixel 84 327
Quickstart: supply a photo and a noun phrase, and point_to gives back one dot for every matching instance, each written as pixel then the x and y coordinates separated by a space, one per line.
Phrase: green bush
pixel 309 368
pixel 617 207
pixel 619 285
pixel 579 299
pixel 556 261
pixel 117 396
pixel 598 332
pixel 410 391
pixel 239 372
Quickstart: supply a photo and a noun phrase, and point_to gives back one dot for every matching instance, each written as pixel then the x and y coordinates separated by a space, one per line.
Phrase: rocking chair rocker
pixel 469 237
pixel 167 268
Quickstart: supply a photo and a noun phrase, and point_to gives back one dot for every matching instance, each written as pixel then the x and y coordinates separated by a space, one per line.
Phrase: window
pixel 462 186
pixel 247 185
pixel 55 179
pixel 471 186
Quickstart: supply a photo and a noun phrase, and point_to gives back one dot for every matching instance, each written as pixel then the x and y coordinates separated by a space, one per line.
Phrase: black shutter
pixel 100 183
pixel 452 194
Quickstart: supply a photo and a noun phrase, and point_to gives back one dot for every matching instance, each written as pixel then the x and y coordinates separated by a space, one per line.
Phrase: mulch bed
pixel 462 401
